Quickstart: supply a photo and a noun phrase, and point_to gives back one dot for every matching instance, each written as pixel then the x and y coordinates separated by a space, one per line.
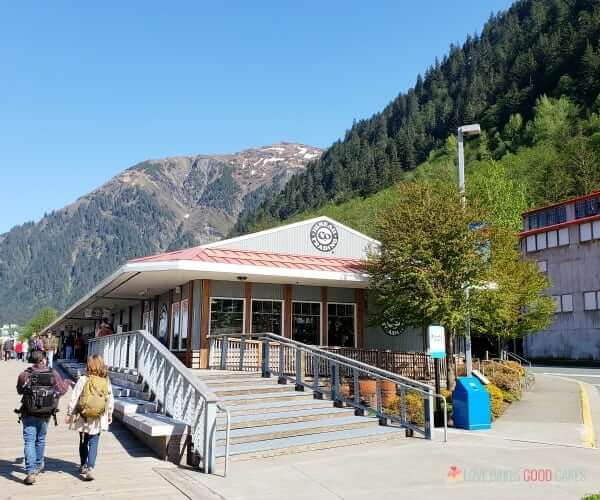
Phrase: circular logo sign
pixel 392 329
pixel 324 236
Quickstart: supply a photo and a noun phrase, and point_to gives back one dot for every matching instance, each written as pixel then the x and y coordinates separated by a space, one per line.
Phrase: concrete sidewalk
pixel 549 413
pixel 534 451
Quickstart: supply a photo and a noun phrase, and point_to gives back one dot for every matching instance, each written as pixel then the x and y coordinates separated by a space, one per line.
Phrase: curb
pixel 586 414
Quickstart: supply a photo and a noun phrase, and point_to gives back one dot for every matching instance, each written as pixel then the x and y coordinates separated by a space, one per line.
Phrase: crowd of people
pixel 70 346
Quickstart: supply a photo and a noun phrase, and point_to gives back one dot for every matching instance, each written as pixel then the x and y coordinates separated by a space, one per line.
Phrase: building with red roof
pixel 306 281
pixel 564 239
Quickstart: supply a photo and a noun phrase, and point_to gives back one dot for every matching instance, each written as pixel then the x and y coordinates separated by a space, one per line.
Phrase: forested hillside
pixel 554 155
pixel 537 47
pixel 152 207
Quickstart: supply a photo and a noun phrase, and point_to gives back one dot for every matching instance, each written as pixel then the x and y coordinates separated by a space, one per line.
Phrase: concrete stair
pixel 269 419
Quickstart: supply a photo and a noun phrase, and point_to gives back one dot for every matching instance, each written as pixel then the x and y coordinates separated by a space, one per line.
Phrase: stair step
pixel 286 417
pixel 130 406
pixel 216 383
pixel 278 431
pixel 277 406
pixel 255 389
pixel 205 374
pixel 297 444
pixel 126 392
pixel 264 397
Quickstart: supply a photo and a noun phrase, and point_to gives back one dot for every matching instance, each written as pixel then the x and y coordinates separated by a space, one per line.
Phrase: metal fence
pixel 344 375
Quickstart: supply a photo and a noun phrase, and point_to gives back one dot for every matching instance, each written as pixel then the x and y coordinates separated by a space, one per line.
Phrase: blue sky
pixel 88 89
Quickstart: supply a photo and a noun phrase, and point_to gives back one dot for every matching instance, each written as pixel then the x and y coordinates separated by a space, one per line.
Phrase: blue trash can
pixel 471 405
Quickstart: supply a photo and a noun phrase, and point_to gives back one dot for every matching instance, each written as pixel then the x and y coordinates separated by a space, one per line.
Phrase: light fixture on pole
pixel 465 131
pixel 468 356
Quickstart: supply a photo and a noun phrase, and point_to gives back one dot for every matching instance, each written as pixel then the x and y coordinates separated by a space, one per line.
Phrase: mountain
pixel 154 206
pixel 535 48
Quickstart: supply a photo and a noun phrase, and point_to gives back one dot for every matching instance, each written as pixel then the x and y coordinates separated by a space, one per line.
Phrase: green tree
pixel 502 196
pixel 518 306
pixel 428 255
pixel 554 119
pixel 40 321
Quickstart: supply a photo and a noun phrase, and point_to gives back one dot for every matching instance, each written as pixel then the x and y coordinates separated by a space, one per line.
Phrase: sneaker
pixel 89 475
pixel 30 479
pixel 83 470
pixel 40 469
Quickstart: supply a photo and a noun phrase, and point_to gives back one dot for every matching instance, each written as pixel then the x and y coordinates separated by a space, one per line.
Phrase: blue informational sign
pixel 437 341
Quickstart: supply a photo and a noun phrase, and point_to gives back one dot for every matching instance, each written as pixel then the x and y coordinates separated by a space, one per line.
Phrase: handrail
pixel 179 393
pixel 227 433
pixel 190 378
pixel 338 365
pixel 521 359
pixel 322 353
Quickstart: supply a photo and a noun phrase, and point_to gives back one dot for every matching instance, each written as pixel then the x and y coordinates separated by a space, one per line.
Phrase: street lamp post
pixel 465 131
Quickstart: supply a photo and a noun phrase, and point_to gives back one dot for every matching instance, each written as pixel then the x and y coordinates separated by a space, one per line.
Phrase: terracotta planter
pixel 347 390
pixel 388 393
pixel 368 391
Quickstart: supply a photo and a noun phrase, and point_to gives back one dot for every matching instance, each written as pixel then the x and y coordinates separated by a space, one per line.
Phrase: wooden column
pixel 142 312
pixel 190 320
pixel 360 318
pixel 204 323
pixel 287 311
pixel 248 307
pixel 169 319
pixel 324 319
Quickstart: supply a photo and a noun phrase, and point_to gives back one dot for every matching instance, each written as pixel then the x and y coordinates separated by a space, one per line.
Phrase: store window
pixel 267 316
pixel 179 326
pixel 175 325
pixel 183 335
pixel 163 322
pixel 306 322
pixel 340 325
pixel 226 316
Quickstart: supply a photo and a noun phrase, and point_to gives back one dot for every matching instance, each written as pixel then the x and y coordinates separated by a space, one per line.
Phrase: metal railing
pixel 178 392
pixel 391 397
pixel 515 357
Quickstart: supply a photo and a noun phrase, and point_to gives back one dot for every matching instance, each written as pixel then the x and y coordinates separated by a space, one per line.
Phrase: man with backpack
pixel 40 388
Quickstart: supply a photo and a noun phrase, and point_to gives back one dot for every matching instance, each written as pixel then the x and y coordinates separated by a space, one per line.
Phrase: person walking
pixel 79 347
pixel 25 355
pixel 50 344
pixel 69 345
pixel 105 328
pixel 8 347
pixel 19 350
pixel 40 388
pixel 90 412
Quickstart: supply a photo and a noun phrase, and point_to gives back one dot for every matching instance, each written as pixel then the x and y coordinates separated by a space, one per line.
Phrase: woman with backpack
pixel 90 412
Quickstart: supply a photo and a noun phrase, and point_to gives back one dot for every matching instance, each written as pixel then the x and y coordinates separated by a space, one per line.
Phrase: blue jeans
pixel 50 357
pixel 34 437
pixel 88 449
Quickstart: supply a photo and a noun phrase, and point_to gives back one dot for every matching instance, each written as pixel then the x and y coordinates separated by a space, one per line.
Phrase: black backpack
pixel 40 398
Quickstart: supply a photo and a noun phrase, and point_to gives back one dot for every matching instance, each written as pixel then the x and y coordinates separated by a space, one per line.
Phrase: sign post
pixel 437 349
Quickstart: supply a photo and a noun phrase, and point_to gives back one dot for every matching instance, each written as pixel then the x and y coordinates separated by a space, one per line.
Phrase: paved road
pixel 589 375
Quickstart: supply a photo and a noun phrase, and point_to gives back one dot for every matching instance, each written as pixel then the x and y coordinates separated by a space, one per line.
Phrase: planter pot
pixel 368 391
pixel 388 393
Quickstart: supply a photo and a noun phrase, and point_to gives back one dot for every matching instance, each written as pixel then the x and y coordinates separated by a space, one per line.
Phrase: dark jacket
pixel 60 385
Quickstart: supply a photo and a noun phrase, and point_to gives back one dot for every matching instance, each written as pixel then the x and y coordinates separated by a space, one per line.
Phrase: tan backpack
pixel 94 397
